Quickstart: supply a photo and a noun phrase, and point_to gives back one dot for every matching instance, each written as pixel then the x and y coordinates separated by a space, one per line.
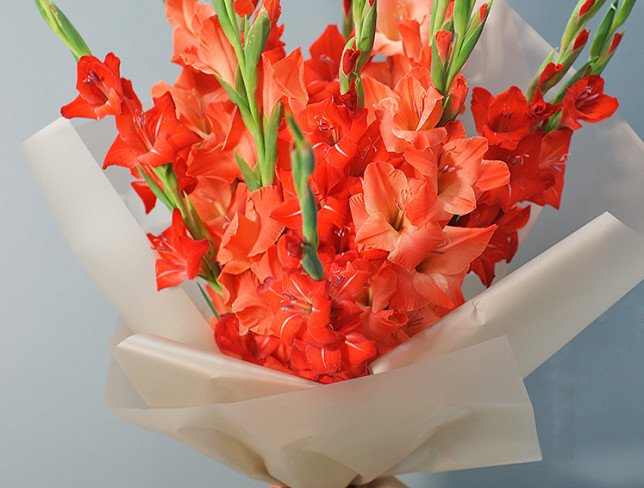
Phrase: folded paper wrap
pixel 450 398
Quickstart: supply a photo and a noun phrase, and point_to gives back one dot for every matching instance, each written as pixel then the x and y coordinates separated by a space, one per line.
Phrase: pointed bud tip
pixel 617 38
pixel 581 40
pixel 587 5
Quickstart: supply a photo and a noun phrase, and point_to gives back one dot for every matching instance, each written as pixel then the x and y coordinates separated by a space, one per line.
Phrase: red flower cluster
pixel 406 204
pixel 536 157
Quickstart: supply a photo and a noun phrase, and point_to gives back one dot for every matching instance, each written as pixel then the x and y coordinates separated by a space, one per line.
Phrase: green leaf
pixel 156 189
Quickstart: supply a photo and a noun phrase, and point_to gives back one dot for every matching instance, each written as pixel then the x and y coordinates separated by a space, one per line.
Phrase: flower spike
pixel 303 162
pixel 63 28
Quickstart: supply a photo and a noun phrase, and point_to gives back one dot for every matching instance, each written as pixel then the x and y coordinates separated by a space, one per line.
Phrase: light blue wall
pixel 56 431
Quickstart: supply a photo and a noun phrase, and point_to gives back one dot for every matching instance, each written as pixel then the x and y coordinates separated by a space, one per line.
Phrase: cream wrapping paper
pixel 451 398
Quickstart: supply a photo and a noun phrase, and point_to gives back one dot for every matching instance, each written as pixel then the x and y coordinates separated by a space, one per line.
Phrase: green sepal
pixel 439 8
pixel 237 99
pixel 603 32
pixel 227 26
pixel 255 42
pixel 303 163
pixel 438 69
pixel 63 28
pixel 271 129
pixel 252 179
pixel 311 263
pixel 462 13
pixel 367 35
pixel 577 23
pixel 623 14
pixel 458 61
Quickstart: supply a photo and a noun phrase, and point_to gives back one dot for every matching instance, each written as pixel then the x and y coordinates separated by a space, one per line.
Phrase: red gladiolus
pixel 504 120
pixel 100 89
pixel 586 101
pixel 152 138
pixel 347 254
pixel 540 109
pixel 178 254
pixel 504 242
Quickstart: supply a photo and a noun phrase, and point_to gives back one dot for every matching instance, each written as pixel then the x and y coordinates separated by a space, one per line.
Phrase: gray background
pixel 55 430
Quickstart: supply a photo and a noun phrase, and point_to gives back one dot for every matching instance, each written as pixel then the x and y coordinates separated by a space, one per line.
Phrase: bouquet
pixel 329 210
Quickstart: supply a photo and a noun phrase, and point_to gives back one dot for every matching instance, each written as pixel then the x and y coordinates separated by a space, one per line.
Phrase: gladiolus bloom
pixel 504 120
pixel 152 138
pixel 585 100
pixel 100 89
pixel 178 254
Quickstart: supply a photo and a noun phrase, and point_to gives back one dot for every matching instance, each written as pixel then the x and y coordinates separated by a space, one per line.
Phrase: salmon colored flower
pixel 151 138
pixel 284 79
pixel 100 89
pixel 251 232
pixel 392 13
pixel 504 120
pixel 213 55
pixel 456 170
pixel 186 18
pixel 438 277
pixel 586 101
pixel 395 214
pixel 411 113
pixel 178 254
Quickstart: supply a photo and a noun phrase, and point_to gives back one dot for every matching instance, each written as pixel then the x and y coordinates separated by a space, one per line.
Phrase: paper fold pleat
pixel 106 239
pixel 464 409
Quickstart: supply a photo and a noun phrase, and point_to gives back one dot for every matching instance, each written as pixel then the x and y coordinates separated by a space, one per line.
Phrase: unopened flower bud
pixel 581 40
pixel 588 4
pixel 549 72
pixel 349 60
pixel 617 38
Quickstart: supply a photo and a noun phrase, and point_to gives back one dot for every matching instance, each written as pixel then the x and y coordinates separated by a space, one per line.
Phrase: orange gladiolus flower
pixel 395 214
pixel 392 13
pixel 411 113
